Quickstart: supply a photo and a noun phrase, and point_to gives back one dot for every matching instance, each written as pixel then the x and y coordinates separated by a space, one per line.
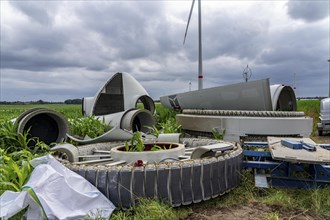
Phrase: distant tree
pixel 40 102
pixel 73 101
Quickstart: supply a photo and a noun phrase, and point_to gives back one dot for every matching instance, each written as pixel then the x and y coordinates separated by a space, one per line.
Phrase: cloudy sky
pixel 58 50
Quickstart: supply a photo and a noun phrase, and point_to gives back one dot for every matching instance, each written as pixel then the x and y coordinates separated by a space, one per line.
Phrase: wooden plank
pixel 280 152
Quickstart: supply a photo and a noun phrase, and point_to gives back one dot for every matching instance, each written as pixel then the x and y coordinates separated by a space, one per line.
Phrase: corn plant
pixel 136 143
pixel 163 114
pixel 14 174
pixel 12 141
pixel 169 126
pixel 15 152
pixel 157 147
pixel 88 126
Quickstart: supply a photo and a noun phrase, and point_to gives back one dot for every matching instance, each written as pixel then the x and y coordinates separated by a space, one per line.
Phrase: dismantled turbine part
pixel 115 134
pixel 254 95
pixel 44 124
pixel 173 151
pixel 122 124
pixel 211 150
pixel 178 182
pixel 283 98
pixel 324 118
pixel 131 120
pixel 70 151
pixel 169 137
pixel 240 110
pixel 236 125
pixel 120 93
pixel 116 104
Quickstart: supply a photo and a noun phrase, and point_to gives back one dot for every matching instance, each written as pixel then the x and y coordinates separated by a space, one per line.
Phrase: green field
pixel 14 154
pixel 8 112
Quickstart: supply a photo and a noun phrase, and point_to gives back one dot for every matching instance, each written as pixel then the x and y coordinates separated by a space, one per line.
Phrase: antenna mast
pixel 247 73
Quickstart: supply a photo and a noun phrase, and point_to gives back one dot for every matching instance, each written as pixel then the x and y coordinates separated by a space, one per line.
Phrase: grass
pixel 151 209
pixel 272 216
pixel 311 109
pixel 316 202
pixel 14 154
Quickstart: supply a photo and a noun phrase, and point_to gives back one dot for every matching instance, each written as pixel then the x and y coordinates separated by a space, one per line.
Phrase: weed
pixel 94 215
pixel 218 135
pixel 272 216
pixel 156 148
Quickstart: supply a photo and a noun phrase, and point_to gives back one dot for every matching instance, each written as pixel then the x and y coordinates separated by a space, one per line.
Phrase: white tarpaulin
pixel 62 193
pixel 13 202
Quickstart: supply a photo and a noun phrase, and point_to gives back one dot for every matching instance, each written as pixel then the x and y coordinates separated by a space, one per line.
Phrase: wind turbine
pixel 200 62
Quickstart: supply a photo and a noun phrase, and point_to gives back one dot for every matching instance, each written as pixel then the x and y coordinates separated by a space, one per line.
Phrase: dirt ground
pixel 322 139
pixel 253 211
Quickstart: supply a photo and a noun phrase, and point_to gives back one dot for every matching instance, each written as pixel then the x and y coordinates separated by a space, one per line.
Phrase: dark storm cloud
pixel 38 45
pixel 36 11
pixel 308 11
pixel 129 28
pixel 69 49
pixel 296 45
pixel 228 36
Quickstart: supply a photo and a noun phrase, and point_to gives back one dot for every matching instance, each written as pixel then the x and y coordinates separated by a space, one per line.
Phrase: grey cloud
pixel 138 37
pixel 308 11
pixel 129 27
pixel 37 11
pixel 33 48
pixel 296 45
pixel 228 36
pixel 53 86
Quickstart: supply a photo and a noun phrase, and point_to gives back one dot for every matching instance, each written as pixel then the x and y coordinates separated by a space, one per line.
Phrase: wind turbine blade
pixel 191 10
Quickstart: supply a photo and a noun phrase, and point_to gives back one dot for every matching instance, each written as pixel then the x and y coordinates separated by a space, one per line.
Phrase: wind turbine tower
pixel 200 60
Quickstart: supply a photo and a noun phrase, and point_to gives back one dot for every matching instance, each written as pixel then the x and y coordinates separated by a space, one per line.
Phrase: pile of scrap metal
pixel 236 111
pixel 241 111
pixel 288 162
pixel 208 168
pixel 203 169
pixel 115 104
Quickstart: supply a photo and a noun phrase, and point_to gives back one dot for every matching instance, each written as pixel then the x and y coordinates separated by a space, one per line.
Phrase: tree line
pixel 38 102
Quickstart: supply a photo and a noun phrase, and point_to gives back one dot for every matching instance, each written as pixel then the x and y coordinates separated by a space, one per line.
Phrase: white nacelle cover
pixel 62 193
pixel 325 109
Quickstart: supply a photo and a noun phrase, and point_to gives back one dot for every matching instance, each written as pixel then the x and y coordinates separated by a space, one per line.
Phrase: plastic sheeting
pixel 12 202
pixel 62 193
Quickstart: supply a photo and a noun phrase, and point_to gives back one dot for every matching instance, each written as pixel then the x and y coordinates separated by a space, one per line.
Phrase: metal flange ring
pixel 176 182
